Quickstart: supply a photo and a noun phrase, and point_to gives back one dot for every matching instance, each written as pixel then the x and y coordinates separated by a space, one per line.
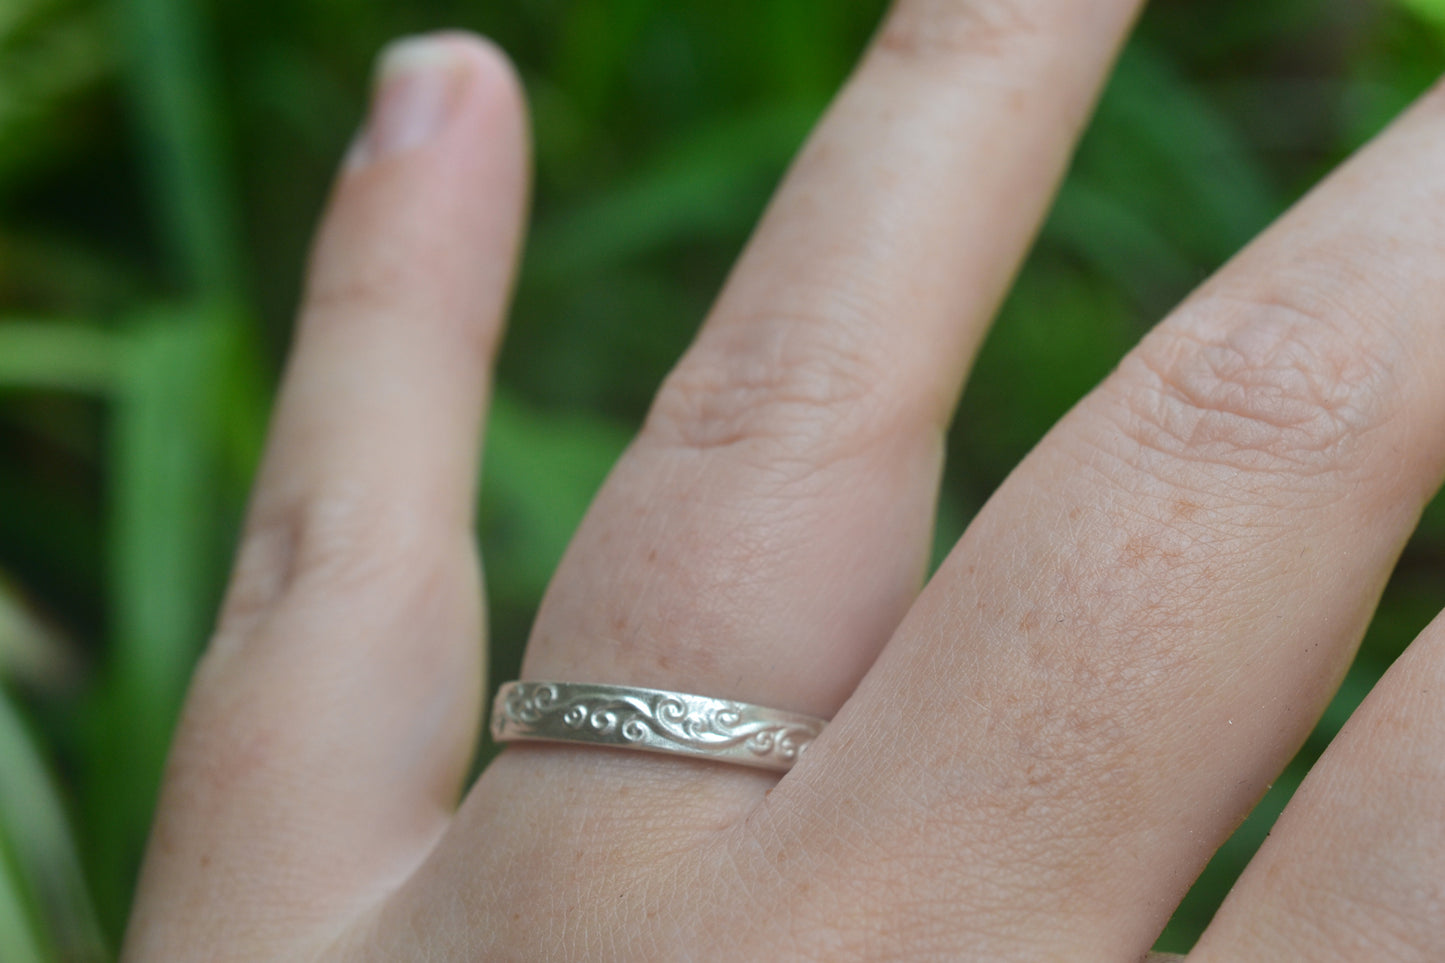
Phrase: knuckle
pixel 948 30
pixel 260 575
pixel 397 291
pixel 335 292
pixel 324 546
pixel 807 394
pixel 1265 385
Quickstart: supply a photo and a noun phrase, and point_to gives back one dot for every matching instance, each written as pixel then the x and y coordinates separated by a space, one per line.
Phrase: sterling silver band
pixel 652 720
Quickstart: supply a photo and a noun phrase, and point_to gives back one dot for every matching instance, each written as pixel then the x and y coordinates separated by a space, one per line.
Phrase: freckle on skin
pixel 1029 622
pixel 1184 509
pixel 1135 552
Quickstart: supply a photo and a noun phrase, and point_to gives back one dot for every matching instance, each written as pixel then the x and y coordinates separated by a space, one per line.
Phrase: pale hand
pixel 1031 759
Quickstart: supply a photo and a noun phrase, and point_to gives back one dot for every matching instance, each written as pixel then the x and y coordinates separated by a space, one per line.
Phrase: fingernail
pixel 417 82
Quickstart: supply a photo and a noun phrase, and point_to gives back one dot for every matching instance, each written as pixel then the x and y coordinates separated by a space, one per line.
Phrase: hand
pixel 1031 759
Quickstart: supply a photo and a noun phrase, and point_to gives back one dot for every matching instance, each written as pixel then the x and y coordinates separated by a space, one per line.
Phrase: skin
pixel 1031 757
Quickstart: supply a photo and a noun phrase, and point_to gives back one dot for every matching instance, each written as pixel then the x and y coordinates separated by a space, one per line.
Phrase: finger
pixel 764 534
pixel 330 725
pixel 773 521
pixel 1355 867
pixel 1142 626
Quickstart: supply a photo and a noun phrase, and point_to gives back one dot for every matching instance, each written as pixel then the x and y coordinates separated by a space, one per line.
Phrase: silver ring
pixel 652 720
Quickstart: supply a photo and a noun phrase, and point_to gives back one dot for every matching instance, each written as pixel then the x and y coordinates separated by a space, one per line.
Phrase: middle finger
pixel 1145 622
pixel 772 523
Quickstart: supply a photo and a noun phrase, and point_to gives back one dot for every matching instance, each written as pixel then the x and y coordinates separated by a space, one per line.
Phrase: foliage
pixel 161 162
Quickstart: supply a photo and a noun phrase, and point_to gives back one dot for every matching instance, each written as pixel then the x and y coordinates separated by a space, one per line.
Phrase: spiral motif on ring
pixel 660 720
pixel 530 704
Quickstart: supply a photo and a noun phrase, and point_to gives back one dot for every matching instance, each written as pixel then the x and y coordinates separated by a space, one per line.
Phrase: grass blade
pixel 711 183
pixel 19 936
pixel 164 480
pixel 58 355
pixel 541 472
pixel 179 122
pixel 30 650
pixel 45 907
pixel 1431 10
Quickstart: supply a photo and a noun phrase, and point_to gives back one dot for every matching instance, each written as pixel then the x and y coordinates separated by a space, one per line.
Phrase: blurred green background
pixel 162 162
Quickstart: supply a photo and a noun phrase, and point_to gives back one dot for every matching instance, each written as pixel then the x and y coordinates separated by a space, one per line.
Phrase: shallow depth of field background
pixel 162 162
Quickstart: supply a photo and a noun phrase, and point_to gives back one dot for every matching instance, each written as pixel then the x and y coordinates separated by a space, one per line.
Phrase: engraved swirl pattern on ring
pixel 653 720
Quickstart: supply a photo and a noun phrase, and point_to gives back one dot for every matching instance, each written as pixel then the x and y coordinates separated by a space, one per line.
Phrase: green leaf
pixel 1432 10
pixel 20 940
pixel 30 650
pixel 50 52
pixel 710 183
pixel 170 67
pixel 595 48
pixel 1161 146
pixel 163 458
pixel 1118 242
pixel 40 871
pixel 165 475
pixel 58 355
pixel 541 472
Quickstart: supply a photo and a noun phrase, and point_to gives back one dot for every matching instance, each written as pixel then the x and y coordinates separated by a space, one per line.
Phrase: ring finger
pixel 765 533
